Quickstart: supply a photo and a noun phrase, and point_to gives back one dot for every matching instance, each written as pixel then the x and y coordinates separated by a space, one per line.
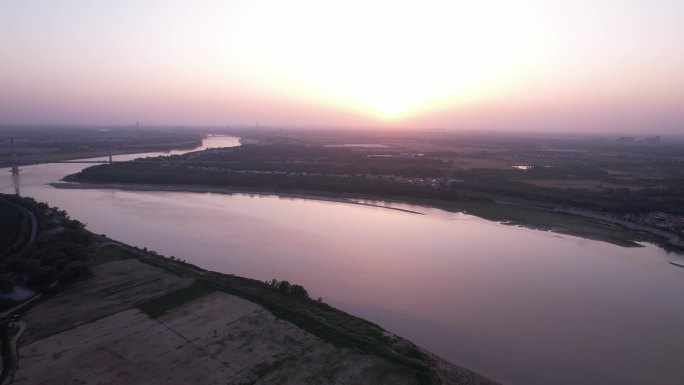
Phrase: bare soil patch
pixel 217 339
pixel 115 286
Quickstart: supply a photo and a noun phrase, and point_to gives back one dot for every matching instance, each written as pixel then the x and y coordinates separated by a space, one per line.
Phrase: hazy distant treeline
pixel 289 167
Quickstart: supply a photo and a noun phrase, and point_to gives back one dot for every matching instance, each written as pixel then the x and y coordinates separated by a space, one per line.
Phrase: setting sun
pixel 391 61
pixel 342 192
pixel 492 64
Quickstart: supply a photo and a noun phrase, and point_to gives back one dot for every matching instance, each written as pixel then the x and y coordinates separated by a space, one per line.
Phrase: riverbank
pixel 522 306
pixel 150 313
pixel 241 330
pixel 538 217
pixel 228 190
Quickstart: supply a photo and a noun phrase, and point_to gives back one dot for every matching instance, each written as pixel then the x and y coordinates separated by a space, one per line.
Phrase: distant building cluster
pixel 403 155
pixel 659 220
pixel 418 181
pixel 555 154
pixel 631 139
pixel 425 182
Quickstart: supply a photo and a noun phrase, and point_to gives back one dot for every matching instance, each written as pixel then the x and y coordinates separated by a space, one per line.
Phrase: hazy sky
pixel 585 65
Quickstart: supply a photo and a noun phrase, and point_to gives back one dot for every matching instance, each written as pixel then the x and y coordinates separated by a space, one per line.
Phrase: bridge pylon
pixel 13 158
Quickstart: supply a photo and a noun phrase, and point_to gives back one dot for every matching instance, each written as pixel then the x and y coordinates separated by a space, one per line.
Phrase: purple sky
pixel 587 66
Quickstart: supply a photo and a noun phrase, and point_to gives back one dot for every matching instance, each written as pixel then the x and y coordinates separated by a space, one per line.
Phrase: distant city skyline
pixel 585 66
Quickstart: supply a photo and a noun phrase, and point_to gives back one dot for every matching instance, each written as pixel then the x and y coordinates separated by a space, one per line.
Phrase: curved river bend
pixel 521 306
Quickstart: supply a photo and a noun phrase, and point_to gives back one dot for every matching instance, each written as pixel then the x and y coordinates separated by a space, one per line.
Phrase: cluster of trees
pixel 14 231
pixel 57 256
pixel 324 321
pixel 62 258
pixel 617 201
pixel 68 139
pixel 155 173
pixel 322 164
pixel 287 288
pixel 316 159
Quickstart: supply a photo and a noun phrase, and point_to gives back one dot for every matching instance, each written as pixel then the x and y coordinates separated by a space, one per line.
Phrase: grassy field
pixel 110 253
pixel 160 306
pixel 129 282
pixel 114 287
pixel 535 215
pixel 561 173
pixel 216 339
pixel 583 184
pixel 332 325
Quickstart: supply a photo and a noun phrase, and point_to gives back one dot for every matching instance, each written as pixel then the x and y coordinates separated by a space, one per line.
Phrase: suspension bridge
pixel 14 160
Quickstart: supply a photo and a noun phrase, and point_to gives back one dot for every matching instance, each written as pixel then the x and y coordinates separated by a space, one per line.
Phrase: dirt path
pixel 15 354
pixel 34 227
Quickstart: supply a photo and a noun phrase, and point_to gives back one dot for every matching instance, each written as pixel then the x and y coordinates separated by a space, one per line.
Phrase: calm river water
pixel 521 306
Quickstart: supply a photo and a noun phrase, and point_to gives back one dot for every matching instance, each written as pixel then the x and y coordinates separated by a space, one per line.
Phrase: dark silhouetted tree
pixel 299 291
pixel 284 286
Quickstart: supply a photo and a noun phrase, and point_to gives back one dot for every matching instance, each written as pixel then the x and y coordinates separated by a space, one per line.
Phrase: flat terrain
pixel 114 287
pixel 217 339
pixel 135 323
pixel 55 143
pixel 589 185
pixel 445 169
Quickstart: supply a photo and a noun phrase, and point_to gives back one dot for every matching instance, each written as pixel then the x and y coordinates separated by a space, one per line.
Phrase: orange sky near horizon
pixel 616 66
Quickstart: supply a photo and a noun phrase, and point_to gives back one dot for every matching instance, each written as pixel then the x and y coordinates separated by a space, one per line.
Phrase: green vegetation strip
pixel 111 253
pixel 160 306
pixel 527 205
pixel 330 324
pixel 318 318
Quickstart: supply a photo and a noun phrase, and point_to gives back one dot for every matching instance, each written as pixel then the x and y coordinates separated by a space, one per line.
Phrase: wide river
pixel 518 305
